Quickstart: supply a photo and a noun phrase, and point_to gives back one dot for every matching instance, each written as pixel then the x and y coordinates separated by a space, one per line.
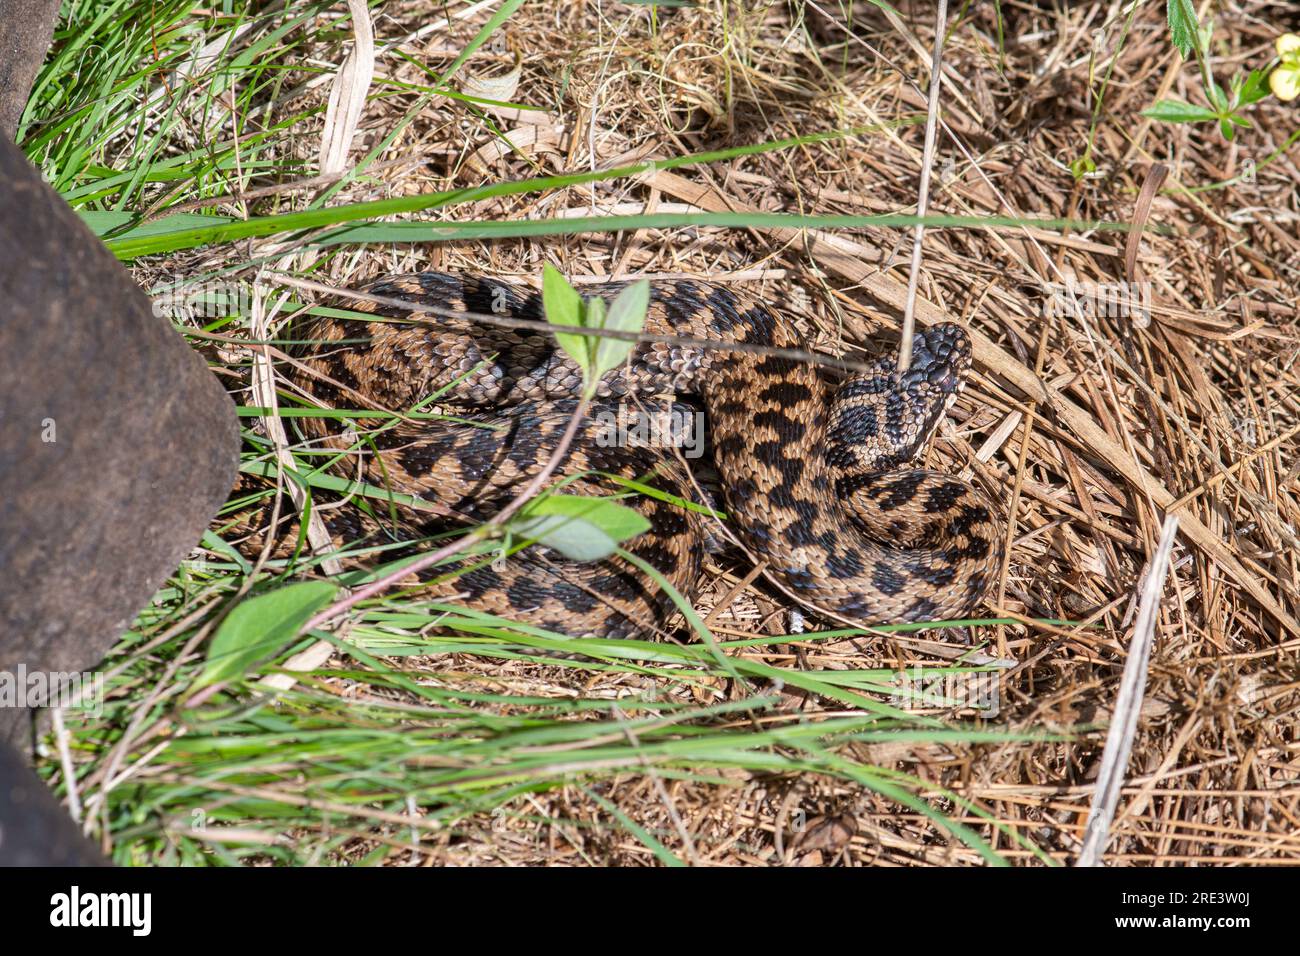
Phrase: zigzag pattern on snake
pixel 814 476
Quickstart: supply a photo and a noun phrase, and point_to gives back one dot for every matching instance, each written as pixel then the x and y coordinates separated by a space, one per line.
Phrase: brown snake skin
pixel 812 475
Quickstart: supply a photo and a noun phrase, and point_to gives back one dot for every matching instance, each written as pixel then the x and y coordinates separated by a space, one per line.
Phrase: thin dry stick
pixel 65 763
pixel 1013 509
pixel 263 388
pixel 1128 704
pixel 348 93
pixel 923 197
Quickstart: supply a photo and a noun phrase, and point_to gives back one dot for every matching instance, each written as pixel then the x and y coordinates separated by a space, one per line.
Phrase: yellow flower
pixel 1285 80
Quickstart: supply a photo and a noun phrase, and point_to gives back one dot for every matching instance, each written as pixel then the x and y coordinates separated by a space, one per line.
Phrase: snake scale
pixel 815 477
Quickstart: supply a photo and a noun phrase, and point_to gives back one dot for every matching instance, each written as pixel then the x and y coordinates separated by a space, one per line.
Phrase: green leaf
pixel 1176 111
pixel 563 306
pixel 259 627
pixel 582 529
pixel 618 521
pixel 594 355
pixel 1254 89
pixel 626 314
pixel 1183 28
pixel 575 538
pixel 103 222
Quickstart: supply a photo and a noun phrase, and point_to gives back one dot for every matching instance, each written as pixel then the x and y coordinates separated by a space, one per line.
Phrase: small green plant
pixel 594 354
pixel 582 528
pixel 1226 107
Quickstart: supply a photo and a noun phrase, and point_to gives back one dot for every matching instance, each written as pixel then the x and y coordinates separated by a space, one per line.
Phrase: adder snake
pixel 815 477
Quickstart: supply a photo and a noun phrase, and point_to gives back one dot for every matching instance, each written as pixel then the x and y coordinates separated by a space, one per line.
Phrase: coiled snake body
pixel 814 478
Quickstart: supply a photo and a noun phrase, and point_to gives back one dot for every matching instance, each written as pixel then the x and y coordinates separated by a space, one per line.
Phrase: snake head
pixel 941 357
pixel 881 419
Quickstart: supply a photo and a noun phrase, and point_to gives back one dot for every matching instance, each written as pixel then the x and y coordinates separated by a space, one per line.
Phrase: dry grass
pixel 1082 431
